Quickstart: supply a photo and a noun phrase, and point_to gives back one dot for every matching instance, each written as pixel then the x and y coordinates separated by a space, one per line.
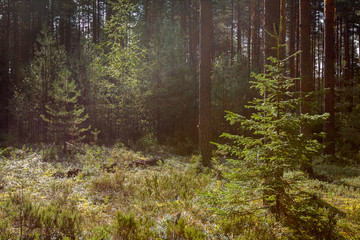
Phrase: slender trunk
pixel 283 28
pixel 337 48
pixel 329 76
pixel 341 37
pixel 297 64
pixel 232 34
pixel 95 39
pixel 206 42
pixel 271 25
pixel 183 15
pixel 347 78
pixel 305 57
pixel 239 29
pixel 249 39
pixel 193 50
pixel 292 36
pixel 255 39
pixel 306 84
pixel 352 58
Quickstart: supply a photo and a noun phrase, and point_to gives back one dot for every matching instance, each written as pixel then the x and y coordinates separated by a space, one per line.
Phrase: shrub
pixel 32 220
pixel 272 145
pixel 181 230
pixel 126 226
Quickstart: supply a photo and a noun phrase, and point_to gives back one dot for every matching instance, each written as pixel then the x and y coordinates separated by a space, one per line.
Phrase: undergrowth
pixel 101 195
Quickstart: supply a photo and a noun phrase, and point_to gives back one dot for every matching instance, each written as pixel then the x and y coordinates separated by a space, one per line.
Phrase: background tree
pixel 205 81
pixel 167 35
pixel 271 25
pixel 306 85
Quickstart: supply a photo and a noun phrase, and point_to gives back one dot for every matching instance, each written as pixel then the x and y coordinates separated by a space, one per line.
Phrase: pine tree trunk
pixel 4 71
pixel 292 36
pixel 206 42
pixel 249 67
pixel 95 21
pixel 193 49
pixel 347 78
pixel 239 29
pixel 255 39
pixel 305 58
pixel 306 84
pixel 329 76
pixel 283 28
pixel 232 34
pixel 272 20
pixel 297 62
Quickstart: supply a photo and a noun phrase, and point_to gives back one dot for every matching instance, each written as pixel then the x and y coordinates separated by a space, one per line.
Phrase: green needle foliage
pixel 272 146
pixel 65 116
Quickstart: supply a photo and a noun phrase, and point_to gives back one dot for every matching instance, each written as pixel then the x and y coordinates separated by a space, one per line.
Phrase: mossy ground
pixel 106 197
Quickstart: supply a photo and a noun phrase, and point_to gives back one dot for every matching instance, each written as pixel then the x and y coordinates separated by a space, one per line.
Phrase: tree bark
pixel 347 70
pixel 305 58
pixel 232 34
pixel 329 76
pixel 292 37
pixel 239 29
pixel 95 22
pixel 283 28
pixel 194 62
pixel 306 84
pixel 271 25
pixel 249 39
pixel 255 38
pixel 206 44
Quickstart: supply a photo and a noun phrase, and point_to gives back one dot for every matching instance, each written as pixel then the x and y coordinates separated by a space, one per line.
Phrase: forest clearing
pixel 46 199
pixel 179 119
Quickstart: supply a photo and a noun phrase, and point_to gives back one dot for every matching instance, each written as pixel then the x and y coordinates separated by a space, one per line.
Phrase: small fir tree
pixel 271 146
pixel 65 117
pixel 31 98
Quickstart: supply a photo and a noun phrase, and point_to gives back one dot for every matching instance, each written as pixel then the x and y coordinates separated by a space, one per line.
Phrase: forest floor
pixel 102 194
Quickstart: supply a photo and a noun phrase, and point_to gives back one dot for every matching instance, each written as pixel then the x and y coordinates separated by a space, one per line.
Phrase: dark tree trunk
pixel 283 28
pixel 297 62
pixel 249 39
pixel 232 34
pixel 329 76
pixel 4 71
pixel 305 58
pixel 95 21
pixel 347 70
pixel 272 20
pixel 292 36
pixel 255 38
pixel 239 29
pixel 206 44
pixel 68 35
pixel 193 50
pixel 306 84
pixel 183 19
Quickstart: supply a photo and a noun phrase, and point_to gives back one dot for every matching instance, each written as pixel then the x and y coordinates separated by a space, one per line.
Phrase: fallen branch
pixel 147 162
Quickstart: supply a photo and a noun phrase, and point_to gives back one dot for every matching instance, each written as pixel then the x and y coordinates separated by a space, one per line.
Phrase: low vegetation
pixel 100 194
